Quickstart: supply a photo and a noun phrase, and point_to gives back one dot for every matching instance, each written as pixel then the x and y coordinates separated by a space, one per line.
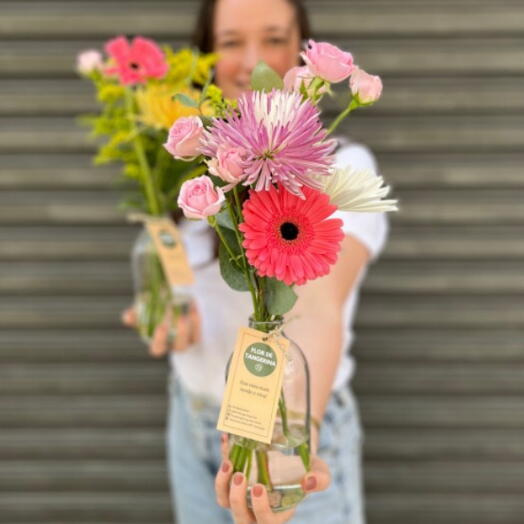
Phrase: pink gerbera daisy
pixel 137 62
pixel 290 238
pixel 283 136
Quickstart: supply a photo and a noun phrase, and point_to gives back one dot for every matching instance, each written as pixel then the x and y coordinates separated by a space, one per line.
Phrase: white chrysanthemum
pixel 357 190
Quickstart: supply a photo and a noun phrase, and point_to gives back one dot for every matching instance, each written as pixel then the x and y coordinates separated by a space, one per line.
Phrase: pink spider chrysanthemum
pixel 290 238
pixel 283 136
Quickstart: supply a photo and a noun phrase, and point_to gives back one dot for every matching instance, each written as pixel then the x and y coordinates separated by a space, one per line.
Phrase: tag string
pixel 276 335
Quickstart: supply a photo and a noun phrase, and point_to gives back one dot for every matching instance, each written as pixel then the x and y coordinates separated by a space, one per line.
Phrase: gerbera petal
pixel 290 255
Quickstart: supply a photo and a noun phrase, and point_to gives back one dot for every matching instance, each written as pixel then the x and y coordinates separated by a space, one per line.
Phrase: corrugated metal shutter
pixel 440 329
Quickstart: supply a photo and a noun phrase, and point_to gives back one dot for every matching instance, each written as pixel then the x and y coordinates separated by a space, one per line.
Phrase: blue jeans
pixel 194 458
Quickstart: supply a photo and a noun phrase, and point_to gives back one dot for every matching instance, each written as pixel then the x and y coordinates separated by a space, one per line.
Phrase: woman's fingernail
pixel 225 467
pixel 238 478
pixel 311 483
pixel 257 490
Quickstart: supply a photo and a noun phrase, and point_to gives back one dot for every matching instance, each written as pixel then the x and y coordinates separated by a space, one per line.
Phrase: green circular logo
pixel 260 359
pixel 166 238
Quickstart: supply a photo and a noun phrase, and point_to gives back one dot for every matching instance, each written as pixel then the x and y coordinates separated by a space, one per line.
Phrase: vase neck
pixel 266 326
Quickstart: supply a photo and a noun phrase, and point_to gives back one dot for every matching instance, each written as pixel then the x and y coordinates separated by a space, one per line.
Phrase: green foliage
pixel 185 100
pixel 224 219
pixel 279 298
pixel 263 78
pixel 230 267
pixel 220 105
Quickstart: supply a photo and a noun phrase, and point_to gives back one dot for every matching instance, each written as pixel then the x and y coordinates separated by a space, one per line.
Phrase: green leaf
pixel 185 100
pixel 230 271
pixel 263 78
pixel 224 219
pixel 279 297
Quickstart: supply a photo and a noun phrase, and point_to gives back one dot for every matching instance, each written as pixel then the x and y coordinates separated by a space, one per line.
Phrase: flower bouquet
pixel 269 193
pixel 143 89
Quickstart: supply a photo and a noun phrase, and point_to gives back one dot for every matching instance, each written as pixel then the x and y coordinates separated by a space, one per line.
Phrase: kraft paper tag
pixel 168 244
pixel 254 385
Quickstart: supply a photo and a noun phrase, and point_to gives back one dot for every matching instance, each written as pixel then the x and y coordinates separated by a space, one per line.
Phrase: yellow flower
pixel 186 66
pixel 157 107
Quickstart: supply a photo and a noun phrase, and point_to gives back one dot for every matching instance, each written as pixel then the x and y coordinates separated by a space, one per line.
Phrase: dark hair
pixel 203 32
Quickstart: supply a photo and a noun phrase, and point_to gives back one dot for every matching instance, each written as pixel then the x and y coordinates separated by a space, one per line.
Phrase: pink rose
pixel 183 140
pixel 229 163
pixel 328 61
pixel 198 198
pixel 89 61
pixel 365 87
pixel 296 75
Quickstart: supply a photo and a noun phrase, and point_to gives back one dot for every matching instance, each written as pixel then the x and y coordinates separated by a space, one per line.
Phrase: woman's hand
pixel 231 493
pixel 231 490
pixel 186 329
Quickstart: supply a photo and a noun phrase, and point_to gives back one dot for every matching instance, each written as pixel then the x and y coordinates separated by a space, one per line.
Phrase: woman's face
pixel 246 31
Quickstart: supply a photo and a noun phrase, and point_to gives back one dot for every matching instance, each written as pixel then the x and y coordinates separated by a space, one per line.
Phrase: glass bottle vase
pixel 281 465
pixel 154 298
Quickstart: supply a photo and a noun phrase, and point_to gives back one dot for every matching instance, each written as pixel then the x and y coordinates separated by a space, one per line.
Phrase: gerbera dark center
pixel 289 231
pixel 134 65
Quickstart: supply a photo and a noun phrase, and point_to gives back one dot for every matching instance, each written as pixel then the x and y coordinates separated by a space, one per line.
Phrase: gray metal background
pixel 440 328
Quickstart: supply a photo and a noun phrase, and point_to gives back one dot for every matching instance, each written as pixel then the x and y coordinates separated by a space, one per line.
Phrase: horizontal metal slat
pixel 412 276
pixel 401 96
pixel 68 278
pixel 378 411
pixel 57 171
pixel 166 18
pixel 149 378
pixel 384 311
pixel 430 345
pixel 376 310
pixel 444 444
pixel 458 206
pixel 61 207
pixel 406 242
pixel 417 206
pixel 83 475
pixel 440 241
pixel 110 411
pixel 394 276
pixel 86 507
pixel 432 170
pixel 83 379
pixel 66 242
pixel 459 133
pixel 454 170
pixel 395 56
pixel 440 378
pixel 82 444
pixel 445 476
pixel 443 508
pixel 429 411
pixel 62 346
pixel 63 312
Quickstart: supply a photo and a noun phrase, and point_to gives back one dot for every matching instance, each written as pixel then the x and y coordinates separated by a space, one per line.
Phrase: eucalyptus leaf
pixel 263 78
pixel 230 271
pixel 185 100
pixel 231 239
pixel 224 219
pixel 279 297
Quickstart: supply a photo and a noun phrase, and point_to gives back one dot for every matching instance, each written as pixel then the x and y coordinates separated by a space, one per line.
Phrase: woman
pixel 244 32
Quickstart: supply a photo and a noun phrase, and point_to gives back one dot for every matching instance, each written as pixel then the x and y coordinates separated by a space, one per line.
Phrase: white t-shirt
pixel 223 310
